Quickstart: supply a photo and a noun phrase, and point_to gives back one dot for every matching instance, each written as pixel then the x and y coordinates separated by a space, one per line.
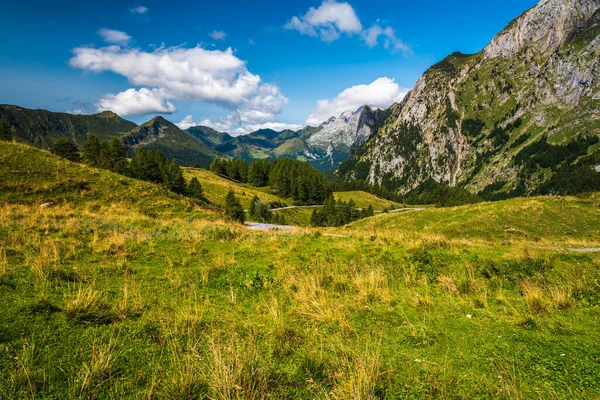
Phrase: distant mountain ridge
pixel 163 135
pixel 324 147
pixel 41 128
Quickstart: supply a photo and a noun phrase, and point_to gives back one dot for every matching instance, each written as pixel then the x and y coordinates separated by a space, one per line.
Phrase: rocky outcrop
pixel 544 28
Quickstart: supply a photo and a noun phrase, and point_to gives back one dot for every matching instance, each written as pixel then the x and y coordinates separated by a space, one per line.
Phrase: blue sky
pixel 235 65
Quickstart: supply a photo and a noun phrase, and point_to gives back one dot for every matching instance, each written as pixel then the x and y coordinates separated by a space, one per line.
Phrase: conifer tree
pixel 115 151
pixel 173 178
pixel 195 189
pixel 233 208
pixel 91 150
pixel 252 208
pixel 5 132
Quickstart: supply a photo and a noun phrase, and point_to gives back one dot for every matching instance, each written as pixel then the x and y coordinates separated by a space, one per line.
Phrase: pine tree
pixel 218 166
pixel 263 212
pixel 91 150
pixel 67 149
pixel 173 178
pixel 5 132
pixel 252 208
pixel 195 189
pixel 115 151
pixel 233 208
pixel 370 211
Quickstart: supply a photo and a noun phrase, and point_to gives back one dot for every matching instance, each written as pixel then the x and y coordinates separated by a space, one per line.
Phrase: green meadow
pixel 112 287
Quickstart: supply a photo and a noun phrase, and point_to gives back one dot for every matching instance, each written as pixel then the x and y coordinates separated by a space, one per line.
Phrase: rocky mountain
pixel 160 134
pixel 520 117
pixel 42 128
pixel 324 147
pixel 339 136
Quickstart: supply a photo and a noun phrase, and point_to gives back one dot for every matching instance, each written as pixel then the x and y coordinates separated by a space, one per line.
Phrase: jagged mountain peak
pixel 348 131
pixel 543 28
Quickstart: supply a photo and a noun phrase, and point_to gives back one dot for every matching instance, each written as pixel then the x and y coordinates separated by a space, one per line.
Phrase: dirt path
pixel 257 226
pixel 582 249
pixel 292 207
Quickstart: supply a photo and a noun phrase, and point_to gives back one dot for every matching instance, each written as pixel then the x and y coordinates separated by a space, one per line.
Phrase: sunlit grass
pixel 115 297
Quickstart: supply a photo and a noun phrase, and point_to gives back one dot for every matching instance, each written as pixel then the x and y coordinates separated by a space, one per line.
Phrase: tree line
pixel 338 213
pixel 146 165
pixel 287 178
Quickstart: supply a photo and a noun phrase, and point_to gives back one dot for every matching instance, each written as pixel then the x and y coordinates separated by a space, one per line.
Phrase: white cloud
pixel 183 74
pixel 139 10
pixel 332 19
pixel 328 21
pixel 137 102
pixel 276 126
pixel 250 41
pixel 187 122
pixel 240 122
pixel 390 41
pixel 77 111
pixel 217 35
pixel 382 93
pixel 114 36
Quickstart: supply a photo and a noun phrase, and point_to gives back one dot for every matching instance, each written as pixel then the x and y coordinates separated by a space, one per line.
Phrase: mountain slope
pixel 208 136
pixel 499 122
pixel 324 147
pixel 42 128
pixel 160 134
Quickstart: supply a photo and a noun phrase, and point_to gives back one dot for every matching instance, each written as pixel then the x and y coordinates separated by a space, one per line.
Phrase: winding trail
pixel 257 226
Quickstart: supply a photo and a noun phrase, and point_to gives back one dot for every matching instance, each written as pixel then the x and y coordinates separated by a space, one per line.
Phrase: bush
pixel 67 149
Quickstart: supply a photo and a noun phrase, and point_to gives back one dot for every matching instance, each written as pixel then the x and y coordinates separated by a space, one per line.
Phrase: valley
pixel 445 246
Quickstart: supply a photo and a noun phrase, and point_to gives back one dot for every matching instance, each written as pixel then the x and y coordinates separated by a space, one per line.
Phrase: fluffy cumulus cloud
pixel 328 21
pixel 231 125
pixel 139 10
pixel 114 36
pixel 332 19
pixel 382 93
pixel 165 75
pixel 217 35
pixel 137 102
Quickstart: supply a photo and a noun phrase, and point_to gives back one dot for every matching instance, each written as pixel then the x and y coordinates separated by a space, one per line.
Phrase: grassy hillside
pixel 364 200
pixel 103 299
pixel 540 220
pixel 216 188
pixel 42 128
pixel 34 177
